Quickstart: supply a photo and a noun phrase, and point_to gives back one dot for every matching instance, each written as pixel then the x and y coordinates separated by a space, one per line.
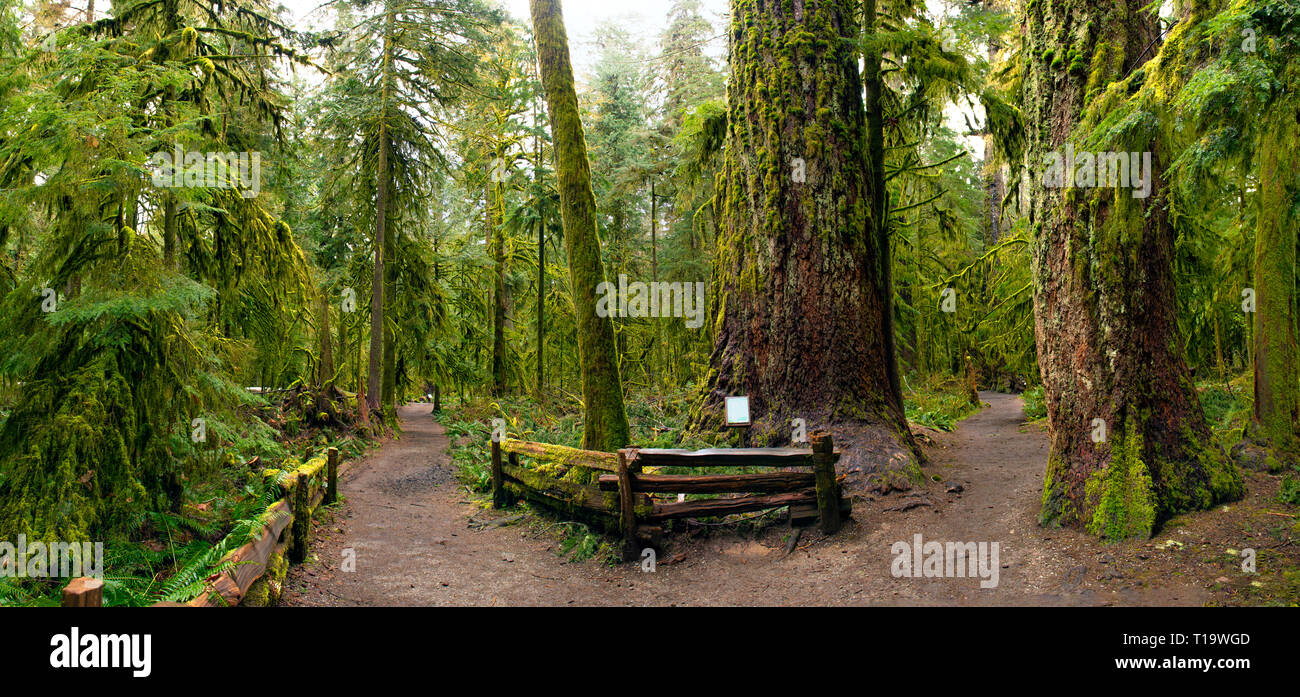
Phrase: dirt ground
pixel 419 538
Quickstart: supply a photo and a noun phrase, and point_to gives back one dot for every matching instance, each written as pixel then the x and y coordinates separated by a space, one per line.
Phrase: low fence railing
pixel 619 496
pixel 258 566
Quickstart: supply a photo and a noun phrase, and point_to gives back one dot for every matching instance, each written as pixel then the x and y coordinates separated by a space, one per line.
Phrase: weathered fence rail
pixel 619 497
pixel 258 566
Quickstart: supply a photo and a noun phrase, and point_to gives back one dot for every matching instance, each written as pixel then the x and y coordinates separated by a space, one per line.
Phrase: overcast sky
pixel 646 18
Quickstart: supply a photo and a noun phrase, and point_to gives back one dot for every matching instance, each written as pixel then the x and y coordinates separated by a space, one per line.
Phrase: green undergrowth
pixel 938 404
pixel 1035 403
pixel 169 555
pixel 1227 408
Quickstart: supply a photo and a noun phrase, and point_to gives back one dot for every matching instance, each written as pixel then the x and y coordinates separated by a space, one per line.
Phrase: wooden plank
pixel 84 592
pixel 828 490
pixel 727 457
pixel 301 520
pixel 332 492
pixel 763 483
pixel 627 504
pixel 498 479
pixel 559 454
pixel 804 514
pixel 723 507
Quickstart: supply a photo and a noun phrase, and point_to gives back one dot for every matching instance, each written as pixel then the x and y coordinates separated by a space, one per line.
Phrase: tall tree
pixel 400 66
pixel 605 424
pixel 1130 445
pixel 799 268
pixel 1277 357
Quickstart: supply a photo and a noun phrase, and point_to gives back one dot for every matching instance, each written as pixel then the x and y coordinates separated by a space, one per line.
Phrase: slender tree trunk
pixel 373 386
pixel 605 420
pixel 496 249
pixel 1277 401
pixel 800 276
pixel 389 391
pixel 541 262
pixel 878 196
pixel 325 371
pixel 1129 444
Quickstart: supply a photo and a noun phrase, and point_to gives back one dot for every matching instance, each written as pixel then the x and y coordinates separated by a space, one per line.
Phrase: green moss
pixel 1121 495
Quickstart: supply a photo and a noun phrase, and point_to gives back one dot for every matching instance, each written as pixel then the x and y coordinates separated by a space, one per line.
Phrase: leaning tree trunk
pixel 801 266
pixel 605 420
pixel 1277 400
pixel 1129 444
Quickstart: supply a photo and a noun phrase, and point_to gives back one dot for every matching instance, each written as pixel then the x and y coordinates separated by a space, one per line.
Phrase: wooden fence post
pixel 828 496
pixel 332 490
pixel 498 477
pixel 627 505
pixel 84 592
pixel 301 521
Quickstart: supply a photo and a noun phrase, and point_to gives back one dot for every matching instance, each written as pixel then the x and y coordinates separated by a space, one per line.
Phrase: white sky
pixel 646 18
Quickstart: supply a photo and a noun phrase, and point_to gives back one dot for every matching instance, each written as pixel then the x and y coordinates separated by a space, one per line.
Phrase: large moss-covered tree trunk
pixel 605 420
pixel 1277 401
pixel 1129 442
pixel 801 271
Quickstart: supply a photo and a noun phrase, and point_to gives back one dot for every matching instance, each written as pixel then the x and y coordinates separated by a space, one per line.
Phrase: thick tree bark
pixel 1277 401
pixel 605 420
pixel 1105 317
pixel 803 325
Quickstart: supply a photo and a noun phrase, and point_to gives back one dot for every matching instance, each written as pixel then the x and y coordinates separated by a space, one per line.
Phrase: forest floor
pixel 420 538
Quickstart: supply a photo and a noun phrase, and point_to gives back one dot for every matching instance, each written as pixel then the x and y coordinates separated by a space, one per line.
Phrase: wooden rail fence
pixel 259 565
pixel 619 495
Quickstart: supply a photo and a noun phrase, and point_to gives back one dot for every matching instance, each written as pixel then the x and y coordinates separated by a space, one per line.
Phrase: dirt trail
pixel 407 520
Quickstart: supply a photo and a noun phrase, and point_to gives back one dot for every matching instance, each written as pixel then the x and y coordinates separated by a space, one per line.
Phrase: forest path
pixel 409 524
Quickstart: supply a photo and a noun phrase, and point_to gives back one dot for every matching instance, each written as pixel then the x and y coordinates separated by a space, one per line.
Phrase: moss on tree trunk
pixel 802 268
pixel 1105 317
pixel 1277 401
pixel 605 424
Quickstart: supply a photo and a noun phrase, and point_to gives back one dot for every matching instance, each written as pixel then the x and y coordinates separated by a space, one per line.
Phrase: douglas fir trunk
pixel 1129 444
pixel 801 272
